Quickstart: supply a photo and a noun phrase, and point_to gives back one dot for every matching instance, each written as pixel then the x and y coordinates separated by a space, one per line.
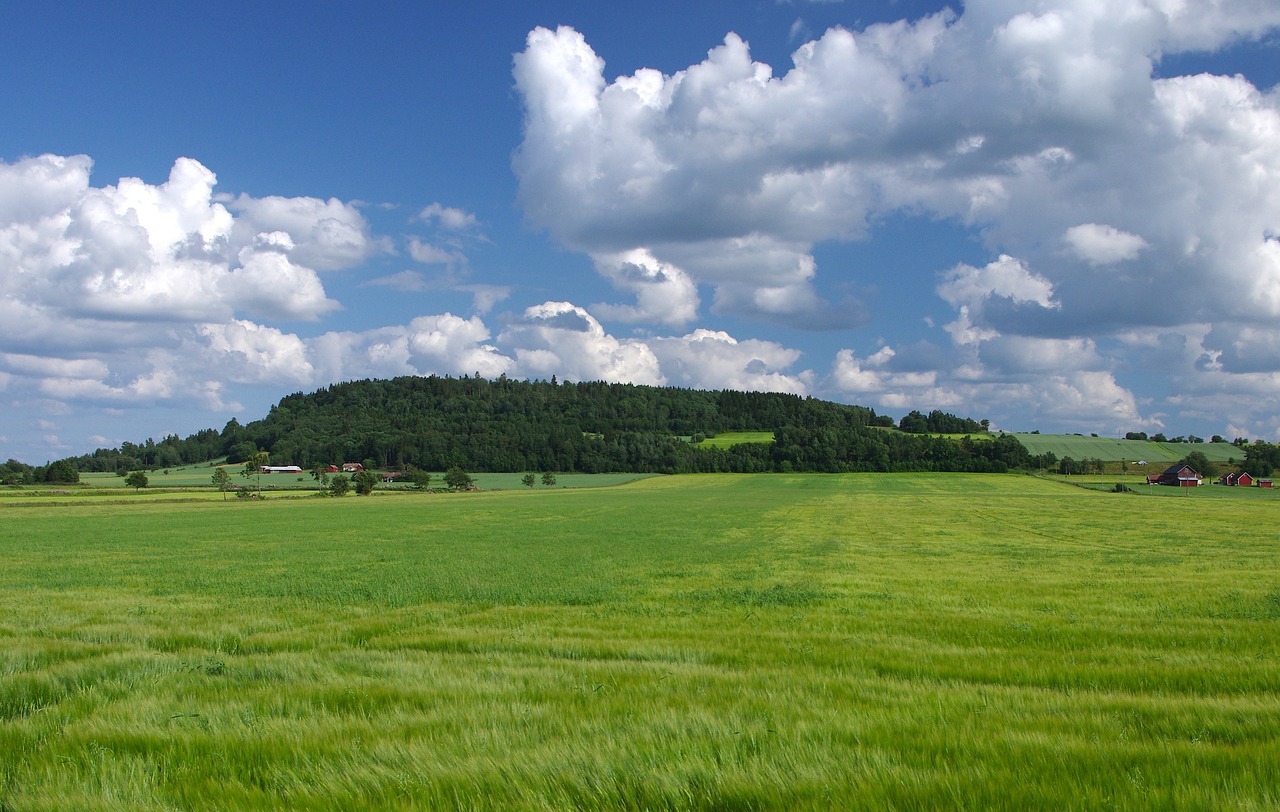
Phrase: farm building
pixel 1178 474
pixel 281 469
pixel 351 467
pixel 1241 478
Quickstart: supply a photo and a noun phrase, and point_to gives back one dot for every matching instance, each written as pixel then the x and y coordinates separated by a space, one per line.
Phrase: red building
pixel 1178 474
pixel 1241 478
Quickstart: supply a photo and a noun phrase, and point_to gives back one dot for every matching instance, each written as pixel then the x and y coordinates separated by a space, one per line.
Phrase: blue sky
pixel 1060 215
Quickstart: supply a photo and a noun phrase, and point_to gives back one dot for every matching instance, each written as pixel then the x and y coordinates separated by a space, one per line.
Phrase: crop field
pixel 1110 449
pixel 695 642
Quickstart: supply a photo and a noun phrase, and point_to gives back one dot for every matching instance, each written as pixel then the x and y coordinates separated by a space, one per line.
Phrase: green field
pixel 1107 449
pixel 728 439
pixel 200 476
pixel 706 642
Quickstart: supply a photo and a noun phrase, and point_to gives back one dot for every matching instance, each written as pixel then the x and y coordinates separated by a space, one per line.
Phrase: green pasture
pixel 696 642
pixel 198 476
pixel 1109 449
pixel 728 439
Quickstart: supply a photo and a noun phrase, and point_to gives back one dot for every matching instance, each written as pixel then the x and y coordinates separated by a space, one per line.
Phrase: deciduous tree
pixel 222 481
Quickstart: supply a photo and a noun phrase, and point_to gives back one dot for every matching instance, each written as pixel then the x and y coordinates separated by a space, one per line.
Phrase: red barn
pixel 1178 474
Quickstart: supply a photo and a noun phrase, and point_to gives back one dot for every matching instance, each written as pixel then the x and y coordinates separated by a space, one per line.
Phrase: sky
pixel 1058 215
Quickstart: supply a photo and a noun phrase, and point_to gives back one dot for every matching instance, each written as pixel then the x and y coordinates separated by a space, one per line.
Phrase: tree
pixel 253 468
pixel 365 482
pixel 1200 463
pixel 527 480
pixel 458 479
pixel 321 475
pixel 222 481
pixel 422 480
pixel 548 478
pixel 137 480
pixel 62 472
pixel 339 485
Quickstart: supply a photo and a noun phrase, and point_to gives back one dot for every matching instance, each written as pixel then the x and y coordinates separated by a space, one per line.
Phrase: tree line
pixel 438 423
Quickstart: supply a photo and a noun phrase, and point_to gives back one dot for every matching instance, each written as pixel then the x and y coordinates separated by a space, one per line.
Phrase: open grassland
pixel 201 478
pixel 728 439
pixel 792 642
pixel 1110 449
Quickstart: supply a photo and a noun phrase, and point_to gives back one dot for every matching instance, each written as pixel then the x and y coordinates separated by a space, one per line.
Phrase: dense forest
pixel 434 423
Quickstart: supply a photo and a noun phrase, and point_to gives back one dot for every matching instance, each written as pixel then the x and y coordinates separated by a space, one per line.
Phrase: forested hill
pixel 434 423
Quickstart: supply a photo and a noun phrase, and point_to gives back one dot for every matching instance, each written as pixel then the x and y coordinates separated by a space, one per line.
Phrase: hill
pixel 1109 449
pixel 434 423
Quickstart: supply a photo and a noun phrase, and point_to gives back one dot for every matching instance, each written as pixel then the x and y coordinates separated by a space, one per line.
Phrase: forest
pixel 435 423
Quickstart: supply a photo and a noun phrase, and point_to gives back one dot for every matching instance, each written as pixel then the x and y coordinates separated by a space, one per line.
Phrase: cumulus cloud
pixel 429 254
pixel 249 352
pixel 559 338
pixel 326 234
pixel 137 252
pixel 448 217
pixel 135 293
pixel 1103 245
pixel 707 359
pixel 664 293
pixel 1046 130
pixel 455 345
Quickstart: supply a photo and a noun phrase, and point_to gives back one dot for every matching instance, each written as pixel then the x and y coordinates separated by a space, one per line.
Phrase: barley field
pixel 698 642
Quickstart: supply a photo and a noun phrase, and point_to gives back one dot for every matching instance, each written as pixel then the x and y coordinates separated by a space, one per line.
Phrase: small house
pixel 351 467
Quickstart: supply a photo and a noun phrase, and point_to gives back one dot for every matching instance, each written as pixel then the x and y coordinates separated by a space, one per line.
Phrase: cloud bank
pixel 1113 202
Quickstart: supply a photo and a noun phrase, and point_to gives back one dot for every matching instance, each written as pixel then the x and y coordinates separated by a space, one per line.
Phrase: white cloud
pixel 664 293
pixel 706 359
pixel 559 338
pixel 248 352
pixel 405 281
pixel 429 254
pixel 136 252
pixel 1006 278
pixel 327 234
pixel 455 345
pixel 1043 129
pixel 447 217
pixel 1103 245
pixel 485 297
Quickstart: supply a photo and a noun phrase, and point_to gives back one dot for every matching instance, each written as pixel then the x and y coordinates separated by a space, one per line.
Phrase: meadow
pixel 728 439
pixel 1110 449
pixel 694 642
pixel 199 478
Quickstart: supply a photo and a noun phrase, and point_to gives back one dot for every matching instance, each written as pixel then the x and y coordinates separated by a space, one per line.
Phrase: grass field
pixel 706 642
pixel 200 476
pixel 1109 449
pixel 728 439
